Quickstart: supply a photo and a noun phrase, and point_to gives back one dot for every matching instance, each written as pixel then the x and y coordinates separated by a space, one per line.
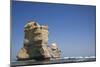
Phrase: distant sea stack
pixel 36 44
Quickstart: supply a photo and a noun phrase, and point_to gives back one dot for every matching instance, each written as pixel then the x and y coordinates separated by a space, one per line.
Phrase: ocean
pixel 53 61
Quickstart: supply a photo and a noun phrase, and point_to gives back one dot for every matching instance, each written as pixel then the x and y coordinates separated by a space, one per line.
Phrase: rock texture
pixel 36 43
pixel 23 54
pixel 55 51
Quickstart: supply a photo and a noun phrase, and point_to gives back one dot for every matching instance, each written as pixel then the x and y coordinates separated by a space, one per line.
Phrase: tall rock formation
pixel 36 43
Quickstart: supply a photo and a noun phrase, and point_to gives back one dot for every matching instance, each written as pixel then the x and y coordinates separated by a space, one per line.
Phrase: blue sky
pixel 72 27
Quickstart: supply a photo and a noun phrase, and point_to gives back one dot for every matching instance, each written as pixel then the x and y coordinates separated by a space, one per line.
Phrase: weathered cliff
pixel 36 43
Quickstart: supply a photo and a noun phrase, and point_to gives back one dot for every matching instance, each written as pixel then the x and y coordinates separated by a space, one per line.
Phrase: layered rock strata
pixel 36 43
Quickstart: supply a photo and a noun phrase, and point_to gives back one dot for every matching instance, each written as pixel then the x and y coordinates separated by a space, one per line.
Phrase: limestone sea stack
pixel 36 43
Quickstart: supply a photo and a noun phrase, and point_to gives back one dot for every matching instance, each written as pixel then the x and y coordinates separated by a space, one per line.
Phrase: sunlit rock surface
pixel 36 43
pixel 23 54
pixel 54 51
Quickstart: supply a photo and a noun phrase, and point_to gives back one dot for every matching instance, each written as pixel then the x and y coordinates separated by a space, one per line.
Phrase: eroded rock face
pixel 36 43
pixel 22 54
pixel 55 51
